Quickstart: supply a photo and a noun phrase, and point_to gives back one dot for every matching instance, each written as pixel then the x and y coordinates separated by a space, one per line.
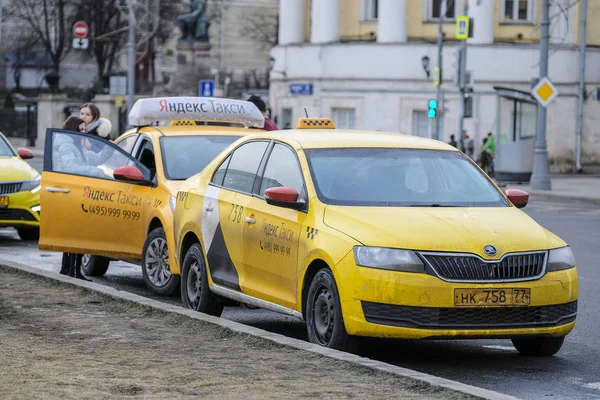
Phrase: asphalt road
pixel 574 373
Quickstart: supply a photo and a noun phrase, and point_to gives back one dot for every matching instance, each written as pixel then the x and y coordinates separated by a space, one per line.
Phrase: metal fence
pixel 20 122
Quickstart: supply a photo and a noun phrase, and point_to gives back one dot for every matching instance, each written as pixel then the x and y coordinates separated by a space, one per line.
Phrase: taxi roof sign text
pixel 544 91
pixel 167 109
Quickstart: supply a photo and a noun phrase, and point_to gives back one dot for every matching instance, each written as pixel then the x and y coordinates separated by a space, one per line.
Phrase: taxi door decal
pixel 221 267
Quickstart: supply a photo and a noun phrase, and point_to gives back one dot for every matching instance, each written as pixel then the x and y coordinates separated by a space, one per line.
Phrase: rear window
pixel 184 156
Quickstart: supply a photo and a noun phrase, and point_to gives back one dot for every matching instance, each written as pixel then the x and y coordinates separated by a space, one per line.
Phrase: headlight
pixel 172 202
pixel 391 259
pixel 559 259
pixel 32 185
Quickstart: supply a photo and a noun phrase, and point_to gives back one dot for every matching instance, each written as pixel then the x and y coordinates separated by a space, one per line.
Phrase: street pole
pixel 131 58
pixel 461 83
pixel 440 44
pixel 582 48
pixel 540 178
pixel 1 5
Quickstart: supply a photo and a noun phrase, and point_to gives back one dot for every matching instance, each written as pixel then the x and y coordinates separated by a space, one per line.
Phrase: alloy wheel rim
pixel 85 260
pixel 157 262
pixel 194 285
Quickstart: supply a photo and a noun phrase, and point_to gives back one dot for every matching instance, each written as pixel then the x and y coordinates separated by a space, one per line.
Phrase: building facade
pixel 369 64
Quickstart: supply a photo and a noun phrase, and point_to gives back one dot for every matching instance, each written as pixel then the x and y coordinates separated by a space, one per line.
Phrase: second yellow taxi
pixel 371 234
pixel 117 202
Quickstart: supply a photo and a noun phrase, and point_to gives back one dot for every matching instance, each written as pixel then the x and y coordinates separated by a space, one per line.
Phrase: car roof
pixel 194 130
pixel 344 138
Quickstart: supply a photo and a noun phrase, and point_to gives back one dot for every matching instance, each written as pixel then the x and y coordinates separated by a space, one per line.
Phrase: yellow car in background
pixel 119 206
pixel 19 191
pixel 371 234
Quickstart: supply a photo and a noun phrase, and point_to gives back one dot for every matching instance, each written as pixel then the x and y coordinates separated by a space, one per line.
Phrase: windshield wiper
pixel 433 205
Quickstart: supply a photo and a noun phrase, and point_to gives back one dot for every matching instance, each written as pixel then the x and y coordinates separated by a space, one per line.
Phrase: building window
pixel 285 121
pixel 343 118
pixel 433 8
pixel 369 10
pixel 420 124
pixel 517 10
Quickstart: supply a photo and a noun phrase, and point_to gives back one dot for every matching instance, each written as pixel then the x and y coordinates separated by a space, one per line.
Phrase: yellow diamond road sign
pixel 544 91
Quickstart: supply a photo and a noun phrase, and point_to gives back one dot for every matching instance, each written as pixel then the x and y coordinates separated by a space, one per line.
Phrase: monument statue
pixel 194 26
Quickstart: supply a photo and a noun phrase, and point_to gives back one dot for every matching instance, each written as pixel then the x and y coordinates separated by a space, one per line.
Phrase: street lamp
pixel 272 61
pixel 425 63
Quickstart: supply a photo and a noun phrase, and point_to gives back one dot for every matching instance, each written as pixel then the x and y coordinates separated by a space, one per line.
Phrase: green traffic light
pixel 433 104
pixel 431 113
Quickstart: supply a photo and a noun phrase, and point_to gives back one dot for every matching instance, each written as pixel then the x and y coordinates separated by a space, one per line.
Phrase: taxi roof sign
pixel 169 109
pixel 315 123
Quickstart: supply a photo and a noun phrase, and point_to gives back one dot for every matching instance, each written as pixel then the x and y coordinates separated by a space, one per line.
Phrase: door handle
pixel 57 190
pixel 209 209
pixel 250 220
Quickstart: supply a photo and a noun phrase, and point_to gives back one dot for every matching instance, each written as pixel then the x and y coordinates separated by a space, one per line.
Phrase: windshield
pixel 5 150
pixel 400 177
pixel 184 156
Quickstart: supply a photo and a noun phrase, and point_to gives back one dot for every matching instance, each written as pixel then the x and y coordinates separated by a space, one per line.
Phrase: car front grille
pixel 8 188
pixel 9 214
pixel 470 268
pixel 469 318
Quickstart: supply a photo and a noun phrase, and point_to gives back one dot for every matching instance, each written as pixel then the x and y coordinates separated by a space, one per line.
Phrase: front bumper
pixel 20 211
pixel 380 303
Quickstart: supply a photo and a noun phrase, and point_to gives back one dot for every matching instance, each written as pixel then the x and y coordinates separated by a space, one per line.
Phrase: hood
pixel 15 169
pixel 451 229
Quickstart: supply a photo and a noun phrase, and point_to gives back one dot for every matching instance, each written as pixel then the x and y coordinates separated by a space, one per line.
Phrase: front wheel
pixel 195 292
pixel 94 265
pixel 538 346
pixel 324 320
pixel 29 234
pixel 155 264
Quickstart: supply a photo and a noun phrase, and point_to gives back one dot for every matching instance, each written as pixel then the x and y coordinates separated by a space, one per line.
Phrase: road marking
pixel 496 347
pixel 594 385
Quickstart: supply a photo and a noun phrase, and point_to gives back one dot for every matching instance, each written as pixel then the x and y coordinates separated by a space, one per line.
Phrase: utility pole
pixel 462 62
pixel 582 48
pixel 131 57
pixel 540 178
pixel 440 43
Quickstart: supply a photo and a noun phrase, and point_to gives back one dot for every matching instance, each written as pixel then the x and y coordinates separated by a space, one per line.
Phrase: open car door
pixel 92 200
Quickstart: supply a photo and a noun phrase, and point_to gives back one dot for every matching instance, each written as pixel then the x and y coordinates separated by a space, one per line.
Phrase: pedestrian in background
pixel 453 141
pixel 262 107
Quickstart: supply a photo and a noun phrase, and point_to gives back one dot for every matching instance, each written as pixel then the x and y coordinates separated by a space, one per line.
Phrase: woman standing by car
pixel 94 124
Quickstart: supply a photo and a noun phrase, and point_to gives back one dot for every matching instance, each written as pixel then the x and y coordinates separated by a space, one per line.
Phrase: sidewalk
pixel 66 338
pixel 566 187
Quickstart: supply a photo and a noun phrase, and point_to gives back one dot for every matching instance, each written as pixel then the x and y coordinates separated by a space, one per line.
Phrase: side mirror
pixel 129 173
pixel 25 154
pixel 284 196
pixel 518 197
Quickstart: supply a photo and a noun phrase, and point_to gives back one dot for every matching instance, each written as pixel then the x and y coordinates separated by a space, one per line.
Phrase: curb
pixel 273 337
pixel 541 194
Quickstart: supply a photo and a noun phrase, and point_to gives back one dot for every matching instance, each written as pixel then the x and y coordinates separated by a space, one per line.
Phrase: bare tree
pixel 262 26
pixel 50 22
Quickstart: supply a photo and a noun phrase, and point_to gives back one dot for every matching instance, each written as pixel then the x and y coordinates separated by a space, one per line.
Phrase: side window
pixel 72 154
pixel 243 166
pixel 146 155
pixel 220 172
pixel 128 143
pixel 282 170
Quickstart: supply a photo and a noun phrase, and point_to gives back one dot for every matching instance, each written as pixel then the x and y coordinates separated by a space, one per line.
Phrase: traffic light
pixel 468 102
pixel 432 108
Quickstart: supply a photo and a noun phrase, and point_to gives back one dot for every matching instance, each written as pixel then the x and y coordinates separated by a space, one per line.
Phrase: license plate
pixel 492 297
pixel 3 201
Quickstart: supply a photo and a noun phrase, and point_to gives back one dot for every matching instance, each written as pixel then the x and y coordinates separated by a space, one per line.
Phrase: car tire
pixel 29 234
pixel 538 346
pixel 195 291
pixel 94 265
pixel 156 266
pixel 324 319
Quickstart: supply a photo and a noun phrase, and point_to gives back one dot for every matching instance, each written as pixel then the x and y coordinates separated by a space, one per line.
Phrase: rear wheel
pixel 94 265
pixel 155 264
pixel 195 292
pixel 29 234
pixel 324 320
pixel 538 346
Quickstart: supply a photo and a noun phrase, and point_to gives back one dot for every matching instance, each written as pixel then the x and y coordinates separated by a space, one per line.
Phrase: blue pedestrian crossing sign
pixel 462 28
pixel 206 88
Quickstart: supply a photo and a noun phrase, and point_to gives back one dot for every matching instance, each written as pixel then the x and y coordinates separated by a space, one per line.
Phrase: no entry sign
pixel 80 29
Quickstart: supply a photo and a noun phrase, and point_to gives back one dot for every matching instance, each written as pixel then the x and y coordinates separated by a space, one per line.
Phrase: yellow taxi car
pixel 19 191
pixel 118 203
pixel 371 234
